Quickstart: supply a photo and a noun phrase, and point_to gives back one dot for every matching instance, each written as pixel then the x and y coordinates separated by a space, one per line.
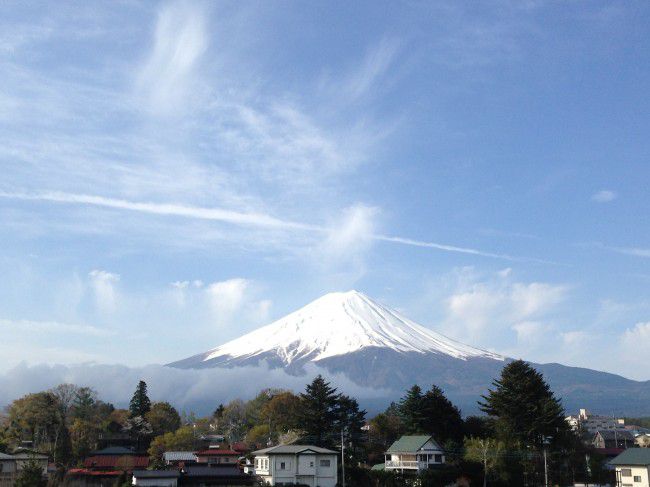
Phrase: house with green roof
pixel 414 453
pixel 632 468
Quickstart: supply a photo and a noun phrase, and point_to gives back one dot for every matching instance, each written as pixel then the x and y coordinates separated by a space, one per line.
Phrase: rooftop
pixel 633 456
pixel 291 449
pixel 410 444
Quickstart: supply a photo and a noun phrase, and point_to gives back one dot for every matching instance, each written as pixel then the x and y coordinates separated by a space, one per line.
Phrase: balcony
pixel 406 465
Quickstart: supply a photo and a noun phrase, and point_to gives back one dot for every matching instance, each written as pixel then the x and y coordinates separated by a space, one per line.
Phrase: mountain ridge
pixel 372 345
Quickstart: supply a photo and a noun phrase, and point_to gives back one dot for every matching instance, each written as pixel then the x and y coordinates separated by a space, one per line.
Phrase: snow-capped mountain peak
pixel 338 324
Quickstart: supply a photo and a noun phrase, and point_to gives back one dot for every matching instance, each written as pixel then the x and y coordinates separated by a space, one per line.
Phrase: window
pixel 324 463
pixel 282 466
pixel 626 472
pixel 437 458
pixel 311 464
pixel 637 478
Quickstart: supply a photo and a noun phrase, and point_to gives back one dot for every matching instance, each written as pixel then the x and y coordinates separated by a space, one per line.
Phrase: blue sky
pixel 176 174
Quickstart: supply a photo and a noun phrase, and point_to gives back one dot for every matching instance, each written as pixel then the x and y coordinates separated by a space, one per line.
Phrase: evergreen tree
pixel 528 417
pixel 140 404
pixel 439 417
pixel 218 412
pixel 524 406
pixel 318 414
pixel 410 410
pixel 349 424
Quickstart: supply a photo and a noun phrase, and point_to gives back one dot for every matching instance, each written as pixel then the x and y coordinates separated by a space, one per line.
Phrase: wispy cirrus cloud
pixel 604 196
pixel 253 220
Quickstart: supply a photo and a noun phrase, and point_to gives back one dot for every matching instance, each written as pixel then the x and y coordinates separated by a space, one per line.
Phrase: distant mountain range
pixel 373 345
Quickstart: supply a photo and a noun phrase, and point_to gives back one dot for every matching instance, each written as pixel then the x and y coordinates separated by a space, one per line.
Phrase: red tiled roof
pixel 95 473
pixel 123 462
pixel 215 452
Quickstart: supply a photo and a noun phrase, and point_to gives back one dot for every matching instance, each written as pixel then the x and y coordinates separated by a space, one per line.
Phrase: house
pixel 632 468
pixel 217 456
pixel 177 458
pixel 297 464
pixel 118 459
pixel 613 439
pixel 23 456
pixel 221 475
pixel 414 453
pixel 8 470
pixel 157 478
pixel 83 477
pixel 585 422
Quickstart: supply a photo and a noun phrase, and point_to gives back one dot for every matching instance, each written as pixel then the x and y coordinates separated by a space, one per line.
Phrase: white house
pixel 156 478
pixel 414 453
pixel 297 464
pixel 632 468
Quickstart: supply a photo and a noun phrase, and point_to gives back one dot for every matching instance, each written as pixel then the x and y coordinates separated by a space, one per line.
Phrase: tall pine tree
pixel 439 416
pixel 140 404
pixel 318 414
pixel 524 406
pixel 410 410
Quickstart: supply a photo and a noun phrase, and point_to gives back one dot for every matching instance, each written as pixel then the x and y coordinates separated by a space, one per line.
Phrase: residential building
pixel 176 458
pixel 217 456
pixel 220 475
pixel 8 470
pixel 414 453
pixel 585 422
pixel 156 478
pixel 23 456
pixel 632 468
pixel 605 439
pixel 297 464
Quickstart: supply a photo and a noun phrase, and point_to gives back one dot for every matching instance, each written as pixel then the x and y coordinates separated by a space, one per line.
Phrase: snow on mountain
pixel 338 324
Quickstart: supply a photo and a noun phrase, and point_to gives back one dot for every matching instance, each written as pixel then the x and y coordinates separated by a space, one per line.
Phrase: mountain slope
pixel 375 346
pixel 334 325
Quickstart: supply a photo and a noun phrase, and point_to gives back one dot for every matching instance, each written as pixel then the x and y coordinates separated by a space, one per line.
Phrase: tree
pixel 83 405
pixel 182 439
pixel 234 420
pixel 524 406
pixel 528 417
pixel 281 412
pixel 138 428
pixel 163 418
pixel 31 475
pixel 318 412
pixel 35 417
pixel 439 417
pixel 486 451
pixel 410 410
pixel 63 446
pixel 140 403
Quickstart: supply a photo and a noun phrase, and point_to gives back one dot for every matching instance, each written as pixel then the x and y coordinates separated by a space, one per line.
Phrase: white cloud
pixel 604 196
pixel 31 326
pixel 169 74
pixel 226 297
pixel 197 390
pixel 103 284
pixel 485 311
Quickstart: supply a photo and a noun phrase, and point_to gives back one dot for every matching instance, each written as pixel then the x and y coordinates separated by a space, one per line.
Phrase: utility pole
pixel 342 460
pixel 545 468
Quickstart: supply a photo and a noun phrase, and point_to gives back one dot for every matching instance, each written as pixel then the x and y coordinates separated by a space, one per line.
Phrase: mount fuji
pixel 351 334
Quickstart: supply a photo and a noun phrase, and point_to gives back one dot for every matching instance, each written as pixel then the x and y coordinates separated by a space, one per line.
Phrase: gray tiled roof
pixel 291 450
pixel 633 456
pixel 179 456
